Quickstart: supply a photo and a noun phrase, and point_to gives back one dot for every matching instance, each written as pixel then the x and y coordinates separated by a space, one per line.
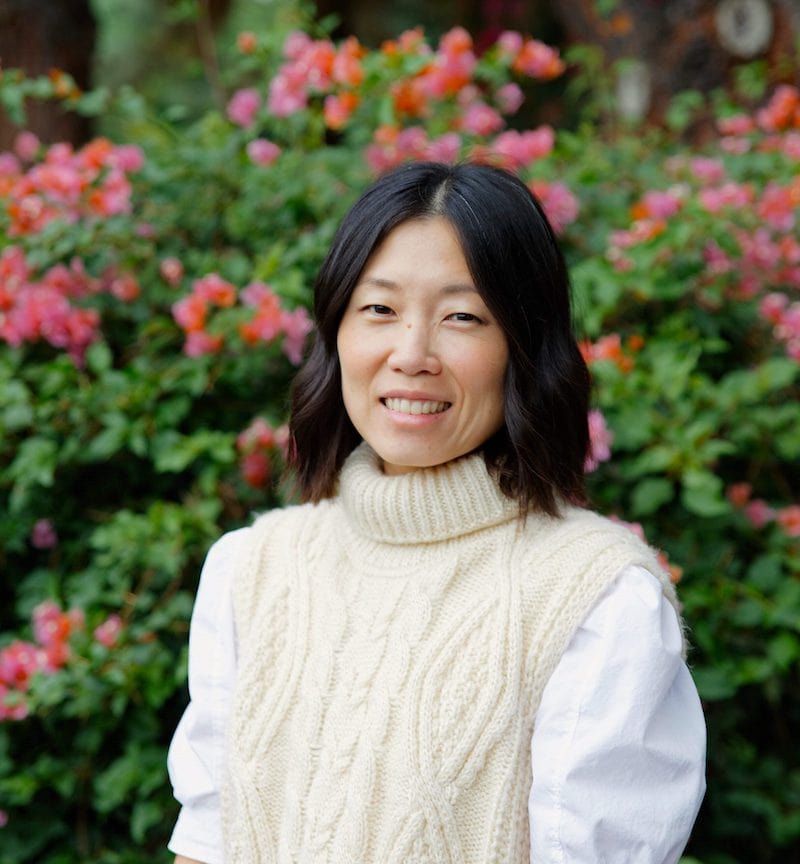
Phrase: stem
pixel 208 54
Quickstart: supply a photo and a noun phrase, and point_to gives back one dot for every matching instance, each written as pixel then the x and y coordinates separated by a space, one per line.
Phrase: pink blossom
pixel 18 662
pixel 717 260
pixel 50 623
pixel 791 145
pixel 3 813
pixel 296 44
pixel 772 307
pixel 263 152
pixel 538 60
pixel 509 98
pixel 255 468
pixel 171 270
pixel 445 148
pixel 510 43
pixel 296 325
pixel 125 288
pixel 287 93
pixel 259 434
pixel 212 288
pixel 128 158
pixel 246 41
pixel 600 438
pixel 739 493
pixel 257 293
pixel 738 124
pixel 190 313
pixel 559 204
pixel 758 512
pixel 43 535
pixel 16 709
pixel 519 149
pixel 9 165
pixel 707 170
pixel 736 146
pixel 776 207
pixel 26 146
pixel 789 519
pixel 199 343
pixel 660 205
pixel 480 119
pixel 243 106
pixel 107 633
pixel 730 194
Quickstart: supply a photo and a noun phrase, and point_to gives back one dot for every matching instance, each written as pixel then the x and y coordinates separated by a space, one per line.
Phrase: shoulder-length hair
pixel 538 455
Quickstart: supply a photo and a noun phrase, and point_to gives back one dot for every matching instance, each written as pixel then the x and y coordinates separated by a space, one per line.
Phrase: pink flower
pixel 258 435
pixel 480 119
pixel 125 288
pixel 3 818
pixel 263 152
pixel 660 205
pixel 190 313
pixel 789 519
pixel 108 632
pixel 296 325
pixel 9 165
pixel 255 469
pixel 50 624
pixel 338 107
pixel 128 158
pixel 509 98
pixel 707 170
pixel 198 343
pixel 738 124
pixel 559 204
pixel 213 289
pixel 171 270
pixel 43 535
pixel 600 440
pixel 287 93
pixel 776 207
pixel 246 41
pixel 519 149
pixel 739 493
pixel 510 43
pixel 27 146
pixel 15 709
pixel 296 44
pixel 772 307
pixel 758 513
pixel 538 60
pixel 18 662
pixel 445 148
pixel 243 106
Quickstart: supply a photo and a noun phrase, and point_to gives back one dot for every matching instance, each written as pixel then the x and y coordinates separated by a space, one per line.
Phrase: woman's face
pixel 423 361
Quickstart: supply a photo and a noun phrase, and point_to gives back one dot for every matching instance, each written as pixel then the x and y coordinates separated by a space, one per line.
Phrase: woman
pixel 441 656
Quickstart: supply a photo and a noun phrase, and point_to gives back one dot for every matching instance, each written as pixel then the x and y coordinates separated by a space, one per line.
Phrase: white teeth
pixel 413 406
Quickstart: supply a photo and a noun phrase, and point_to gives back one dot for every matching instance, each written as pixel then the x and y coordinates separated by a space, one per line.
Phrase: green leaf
pixel 650 494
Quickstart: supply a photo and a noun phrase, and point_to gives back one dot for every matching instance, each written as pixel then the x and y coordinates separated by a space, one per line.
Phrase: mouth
pixel 415 406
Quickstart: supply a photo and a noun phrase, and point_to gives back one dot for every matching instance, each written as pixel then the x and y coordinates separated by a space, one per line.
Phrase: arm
pixel 618 753
pixel 196 754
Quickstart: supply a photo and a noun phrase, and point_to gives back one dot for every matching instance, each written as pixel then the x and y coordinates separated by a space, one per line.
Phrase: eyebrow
pixel 453 288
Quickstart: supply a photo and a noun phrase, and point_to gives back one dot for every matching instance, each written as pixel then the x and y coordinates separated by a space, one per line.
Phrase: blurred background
pixel 171 172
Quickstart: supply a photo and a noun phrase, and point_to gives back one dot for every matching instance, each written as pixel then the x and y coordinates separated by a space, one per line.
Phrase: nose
pixel 412 351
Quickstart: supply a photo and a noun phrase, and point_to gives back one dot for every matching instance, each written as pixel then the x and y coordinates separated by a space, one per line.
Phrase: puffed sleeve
pixel 618 752
pixel 197 749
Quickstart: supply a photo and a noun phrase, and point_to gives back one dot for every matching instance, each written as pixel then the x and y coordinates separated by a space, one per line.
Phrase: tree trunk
pixel 37 36
pixel 682 44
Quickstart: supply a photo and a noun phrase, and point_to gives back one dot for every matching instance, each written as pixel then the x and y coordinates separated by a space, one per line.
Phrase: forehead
pixel 416 249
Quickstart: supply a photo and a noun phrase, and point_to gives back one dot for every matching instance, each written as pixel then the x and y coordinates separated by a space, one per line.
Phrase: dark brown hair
pixel 538 455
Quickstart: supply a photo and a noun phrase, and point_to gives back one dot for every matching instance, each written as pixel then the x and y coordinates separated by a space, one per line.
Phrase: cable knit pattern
pixel 393 644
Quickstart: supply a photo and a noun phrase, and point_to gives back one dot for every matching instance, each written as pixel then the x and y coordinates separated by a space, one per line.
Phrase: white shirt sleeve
pixel 196 753
pixel 618 753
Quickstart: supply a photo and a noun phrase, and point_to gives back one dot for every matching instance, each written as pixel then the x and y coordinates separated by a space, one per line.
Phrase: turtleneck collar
pixel 423 506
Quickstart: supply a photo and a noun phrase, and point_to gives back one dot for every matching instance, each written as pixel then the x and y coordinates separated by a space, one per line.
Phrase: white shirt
pixel 618 746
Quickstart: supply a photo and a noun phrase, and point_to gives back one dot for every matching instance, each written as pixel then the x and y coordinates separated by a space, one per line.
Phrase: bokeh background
pixel 171 172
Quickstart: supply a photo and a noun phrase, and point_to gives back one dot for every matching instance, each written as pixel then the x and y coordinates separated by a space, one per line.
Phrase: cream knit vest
pixel 393 644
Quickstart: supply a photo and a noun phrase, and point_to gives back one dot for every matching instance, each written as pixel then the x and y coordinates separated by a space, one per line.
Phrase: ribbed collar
pixel 424 506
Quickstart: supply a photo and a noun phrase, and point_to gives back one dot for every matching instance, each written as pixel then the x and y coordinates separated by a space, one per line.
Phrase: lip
pixel 413 396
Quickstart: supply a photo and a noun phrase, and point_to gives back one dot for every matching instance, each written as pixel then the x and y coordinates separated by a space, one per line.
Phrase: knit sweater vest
pixel 393 644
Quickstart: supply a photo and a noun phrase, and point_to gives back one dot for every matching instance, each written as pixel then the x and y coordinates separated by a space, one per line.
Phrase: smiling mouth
pixel 415 406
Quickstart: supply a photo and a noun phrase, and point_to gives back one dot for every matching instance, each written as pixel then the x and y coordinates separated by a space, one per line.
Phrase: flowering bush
pixel 153 301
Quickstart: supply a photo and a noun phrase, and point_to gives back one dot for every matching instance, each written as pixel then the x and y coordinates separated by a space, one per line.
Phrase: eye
pixel 464 316
pixel 378 309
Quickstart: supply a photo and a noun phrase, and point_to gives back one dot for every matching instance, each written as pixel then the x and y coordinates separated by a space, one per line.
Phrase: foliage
pixel 152 311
